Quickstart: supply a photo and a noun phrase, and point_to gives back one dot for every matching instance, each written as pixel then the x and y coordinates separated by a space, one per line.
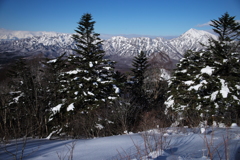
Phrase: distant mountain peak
pixel 193 30
pixel 194 33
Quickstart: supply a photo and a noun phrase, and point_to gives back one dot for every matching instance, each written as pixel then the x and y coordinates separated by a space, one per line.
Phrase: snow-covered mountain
pixel 14 35
pixel 55 44
pixel 49 45
pixel 175 48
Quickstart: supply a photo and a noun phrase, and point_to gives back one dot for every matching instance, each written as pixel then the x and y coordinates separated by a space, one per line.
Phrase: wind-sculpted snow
pixel 53 45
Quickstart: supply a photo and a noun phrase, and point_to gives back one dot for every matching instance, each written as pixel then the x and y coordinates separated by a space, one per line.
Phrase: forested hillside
pixel 84 95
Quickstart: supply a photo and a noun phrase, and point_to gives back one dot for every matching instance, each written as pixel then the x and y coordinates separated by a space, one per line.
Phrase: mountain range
pixel 52 44
pixel 14 35
pixel 174 48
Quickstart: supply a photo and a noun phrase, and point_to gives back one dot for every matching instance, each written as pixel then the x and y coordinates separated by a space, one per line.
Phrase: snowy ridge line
pixel 55 44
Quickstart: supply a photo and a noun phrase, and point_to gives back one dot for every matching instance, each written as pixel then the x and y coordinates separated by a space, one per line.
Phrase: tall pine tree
pixel 88 83
pixel 140 65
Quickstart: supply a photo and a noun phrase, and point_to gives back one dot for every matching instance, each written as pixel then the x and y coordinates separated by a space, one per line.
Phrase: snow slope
pixel 170 143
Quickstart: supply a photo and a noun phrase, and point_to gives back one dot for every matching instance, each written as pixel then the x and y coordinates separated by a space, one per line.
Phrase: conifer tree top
pixel 87 41
pixel 86 26
pixel 226 27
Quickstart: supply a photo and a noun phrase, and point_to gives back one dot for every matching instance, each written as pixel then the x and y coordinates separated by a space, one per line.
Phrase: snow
pixel 107 68
pixel 203 130
pixel 17 98
pixel 90 64
pixel 87 79
pixel 95 83
pixel 99 126
pixel 90 93
pixel 234 125
pixel 170 102
pixel 235 97
pixel 52 61
pixel 165 74
pixel 70 107
pixel 112 97
pixel 73 71
pixel 183 71
pixel 208 70
pixel 225 60
pixel 198 107
pixel 103 82
pixel 50 135
pixel 196 87
pixel 216 105
pixel 224 90
pixel 188 82
pixel 159 144
pixel 182 107
pixel 214 95
pixel 238 87
pixel 57 108
pixel 117 90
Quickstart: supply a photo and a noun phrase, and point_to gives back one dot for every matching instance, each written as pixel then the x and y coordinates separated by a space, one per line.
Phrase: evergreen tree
pixel 90 80
pixel 87 82
pixel 140 65
pixel 205 85
pixel 226 27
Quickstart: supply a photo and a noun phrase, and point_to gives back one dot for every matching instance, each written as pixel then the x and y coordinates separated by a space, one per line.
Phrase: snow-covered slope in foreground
pixel 170 143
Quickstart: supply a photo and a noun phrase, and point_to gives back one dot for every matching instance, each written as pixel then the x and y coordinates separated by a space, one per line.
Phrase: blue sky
pixel 115 17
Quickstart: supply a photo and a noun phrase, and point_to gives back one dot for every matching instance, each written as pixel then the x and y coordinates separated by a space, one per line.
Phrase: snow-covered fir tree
pixel 206 84
pixel 88 83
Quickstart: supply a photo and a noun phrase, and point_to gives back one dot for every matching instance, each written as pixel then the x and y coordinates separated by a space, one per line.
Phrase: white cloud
pixel 208 24
pixel 204 24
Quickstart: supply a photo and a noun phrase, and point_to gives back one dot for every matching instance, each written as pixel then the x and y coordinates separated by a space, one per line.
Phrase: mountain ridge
pixel 54 44
pixel 15 35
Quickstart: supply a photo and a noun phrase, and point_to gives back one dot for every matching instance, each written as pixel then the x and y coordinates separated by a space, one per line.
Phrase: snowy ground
pixel 163 144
